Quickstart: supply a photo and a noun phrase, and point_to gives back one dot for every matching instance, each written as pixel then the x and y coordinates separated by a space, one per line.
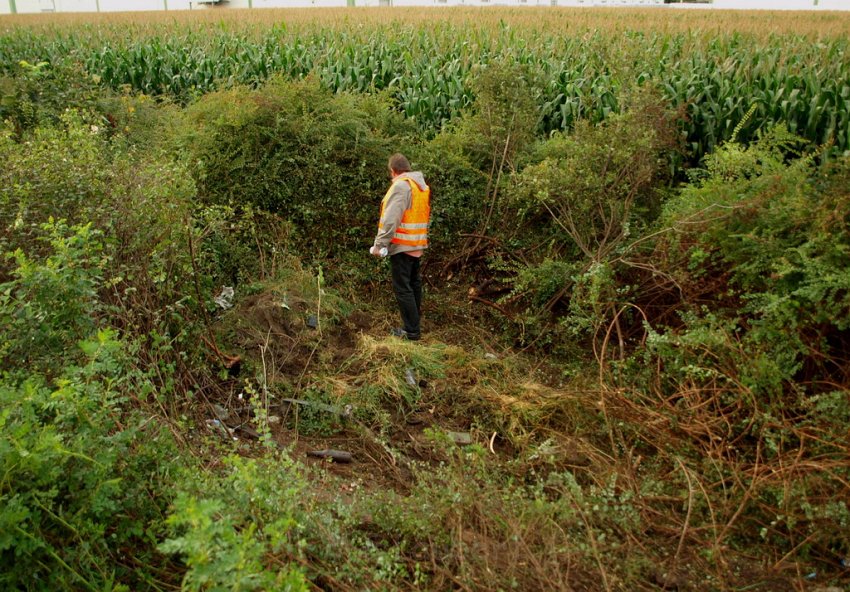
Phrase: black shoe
pixel 402 334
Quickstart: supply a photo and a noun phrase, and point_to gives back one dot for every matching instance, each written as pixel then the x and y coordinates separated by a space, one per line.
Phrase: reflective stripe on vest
pixel 412 231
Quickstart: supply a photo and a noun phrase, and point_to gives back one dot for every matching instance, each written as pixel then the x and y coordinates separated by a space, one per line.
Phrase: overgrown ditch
pixel 631 379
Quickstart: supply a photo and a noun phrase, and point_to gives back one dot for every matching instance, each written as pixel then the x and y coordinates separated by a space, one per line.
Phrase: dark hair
pixel 399 163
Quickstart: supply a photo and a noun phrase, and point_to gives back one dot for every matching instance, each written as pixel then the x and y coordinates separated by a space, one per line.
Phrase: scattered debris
pixel 410 377
pixel 489 356
pixel 217 426
pixel 350 487
pixel 339 456
pixel 220 412
pixel 313 321
pixel 460 438
pixel 225 298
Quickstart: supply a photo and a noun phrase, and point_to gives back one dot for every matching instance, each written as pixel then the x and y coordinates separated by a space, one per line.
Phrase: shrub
pixel 160 258
pixel 469 163
pixel 458 189
pixel 600 184
pixel 38 94
pixel 777 235
pixel 572 213
pixel 296 150
pixel 84 480
pixel 49 306
pixel 237 531
pixel 745 374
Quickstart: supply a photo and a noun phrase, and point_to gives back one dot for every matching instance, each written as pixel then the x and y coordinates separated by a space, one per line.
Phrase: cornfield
pixel 425 65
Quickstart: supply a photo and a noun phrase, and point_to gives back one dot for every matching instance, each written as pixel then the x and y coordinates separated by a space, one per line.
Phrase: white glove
pixel 382 252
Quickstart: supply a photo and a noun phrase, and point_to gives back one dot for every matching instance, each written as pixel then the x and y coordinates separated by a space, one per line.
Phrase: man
pixel 403 235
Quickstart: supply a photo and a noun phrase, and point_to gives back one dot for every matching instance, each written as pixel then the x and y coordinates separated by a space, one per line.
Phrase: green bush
pixel 76 172
pixel 49 306
pixel 458 189
pixel 85 481
pixel 239 531
pixel 601 184
pixel 38 94
pixel 572 214
pixel 754 257
pixel 84 484
pixel 777 234
pixel 162 256
pixel 315 158
pixel 61 171
pixel 470 162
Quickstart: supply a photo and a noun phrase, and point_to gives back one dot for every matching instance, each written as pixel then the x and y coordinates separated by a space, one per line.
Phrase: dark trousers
pixel 407 284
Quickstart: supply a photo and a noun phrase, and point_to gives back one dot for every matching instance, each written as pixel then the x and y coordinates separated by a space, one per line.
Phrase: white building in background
pixel 38 6
pixel 784 4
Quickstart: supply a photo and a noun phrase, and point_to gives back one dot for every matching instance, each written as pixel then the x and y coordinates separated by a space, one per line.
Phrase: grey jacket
pixel 400 199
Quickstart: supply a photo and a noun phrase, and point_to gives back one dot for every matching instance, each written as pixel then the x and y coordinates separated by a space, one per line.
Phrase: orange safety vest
pixel 412 231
